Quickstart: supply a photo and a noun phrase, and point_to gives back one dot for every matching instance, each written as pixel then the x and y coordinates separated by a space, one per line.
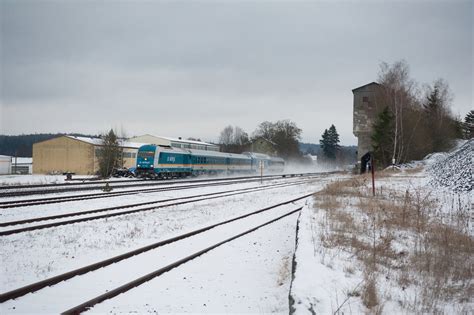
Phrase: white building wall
pixel 5 164
pixel 149 139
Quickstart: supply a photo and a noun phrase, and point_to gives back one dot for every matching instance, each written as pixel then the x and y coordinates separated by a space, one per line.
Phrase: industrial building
pixel 75 154
pixel 79 154
pixel 175 142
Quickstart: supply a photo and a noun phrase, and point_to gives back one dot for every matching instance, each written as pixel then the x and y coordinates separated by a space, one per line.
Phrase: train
pixel 162 162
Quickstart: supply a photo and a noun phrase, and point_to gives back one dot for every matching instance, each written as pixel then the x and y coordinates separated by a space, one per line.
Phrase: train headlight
pixel 151 165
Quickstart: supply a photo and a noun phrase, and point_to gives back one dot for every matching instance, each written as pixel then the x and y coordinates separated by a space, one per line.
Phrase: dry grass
pixel 346 187
pixel 284 271
pixel 369 292
pixel 438 258
pixel 413 170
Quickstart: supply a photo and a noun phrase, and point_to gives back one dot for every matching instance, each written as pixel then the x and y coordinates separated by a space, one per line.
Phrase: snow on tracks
pixel 95 283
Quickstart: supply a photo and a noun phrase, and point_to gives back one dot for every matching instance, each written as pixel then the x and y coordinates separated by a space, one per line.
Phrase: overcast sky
pixel 182 68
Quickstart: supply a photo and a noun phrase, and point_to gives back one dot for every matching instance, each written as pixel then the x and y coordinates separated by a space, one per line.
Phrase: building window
pixel 365 99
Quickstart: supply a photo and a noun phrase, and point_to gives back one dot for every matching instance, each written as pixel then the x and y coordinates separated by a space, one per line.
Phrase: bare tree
pixel 284 133
pixel 234 139
pixel 418 124
pixel 227 135
pixel 240 136
pixel 398 94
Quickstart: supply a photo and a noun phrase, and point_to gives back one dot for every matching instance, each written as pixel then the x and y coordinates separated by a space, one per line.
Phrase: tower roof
pixel 365 85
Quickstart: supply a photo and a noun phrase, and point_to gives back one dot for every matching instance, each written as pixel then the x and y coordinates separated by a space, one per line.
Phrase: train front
pixel 146 161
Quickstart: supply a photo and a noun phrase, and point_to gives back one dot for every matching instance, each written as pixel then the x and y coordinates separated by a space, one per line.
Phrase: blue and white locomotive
pixel 156 161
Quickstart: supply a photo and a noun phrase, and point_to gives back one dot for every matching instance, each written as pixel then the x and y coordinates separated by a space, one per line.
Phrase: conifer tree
pixel 330 143
pixel 334 139
pixel 468 125
pixel 382 136
pixel 324 142
pixel 109 154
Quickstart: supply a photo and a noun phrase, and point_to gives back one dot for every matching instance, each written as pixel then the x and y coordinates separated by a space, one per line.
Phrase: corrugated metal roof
pixel 98 141
pixel 181 140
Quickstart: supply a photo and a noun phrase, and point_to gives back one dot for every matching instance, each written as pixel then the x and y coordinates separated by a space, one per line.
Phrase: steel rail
pixel 42 201
pixel 139 281
pixel 96 186
pixel 99 186
pixel 59 199
pixel 114 214
pixel 71 214
pixel 119 187
pixel 83 270
pixel 103 182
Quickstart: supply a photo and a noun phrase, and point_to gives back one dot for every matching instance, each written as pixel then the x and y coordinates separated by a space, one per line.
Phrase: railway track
pixel 28 190
pixel 100 278
pixel 174 202
pixel 59 199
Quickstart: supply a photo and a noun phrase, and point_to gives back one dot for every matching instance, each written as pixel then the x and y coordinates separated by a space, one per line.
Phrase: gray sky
pixel 182 68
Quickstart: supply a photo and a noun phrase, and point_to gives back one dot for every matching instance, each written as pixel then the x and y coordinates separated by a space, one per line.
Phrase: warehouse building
pixel 76 155
pixel 79 154
pixel 175 142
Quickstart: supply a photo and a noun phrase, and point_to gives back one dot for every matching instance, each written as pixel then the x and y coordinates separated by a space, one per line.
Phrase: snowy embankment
pixel 320 283
pixel 409 249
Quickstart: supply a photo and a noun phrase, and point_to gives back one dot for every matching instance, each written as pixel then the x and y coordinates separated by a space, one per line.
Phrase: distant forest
pixel 310 148
pixel 348 154
pixel 22 145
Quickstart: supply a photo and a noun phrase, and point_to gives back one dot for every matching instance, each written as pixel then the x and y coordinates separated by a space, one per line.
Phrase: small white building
pixel 5 164
pixel 22 165
pixel 313 158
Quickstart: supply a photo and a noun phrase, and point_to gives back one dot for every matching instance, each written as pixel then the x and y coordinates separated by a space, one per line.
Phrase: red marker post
pixel 372 166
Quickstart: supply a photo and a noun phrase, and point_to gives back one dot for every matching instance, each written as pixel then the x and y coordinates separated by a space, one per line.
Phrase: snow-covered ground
pixel 7 180
pixel 261 272
pixel 358 254
pixel 33 256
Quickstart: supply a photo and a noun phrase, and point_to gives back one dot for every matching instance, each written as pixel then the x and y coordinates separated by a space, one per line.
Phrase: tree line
pixel 282 136
pixel 22 145
pixel 412 122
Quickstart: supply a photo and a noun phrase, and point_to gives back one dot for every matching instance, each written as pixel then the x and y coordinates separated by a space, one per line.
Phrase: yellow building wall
pixel 63 154
pixel 132 160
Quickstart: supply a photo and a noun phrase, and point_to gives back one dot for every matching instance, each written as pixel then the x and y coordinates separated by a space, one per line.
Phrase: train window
pixel 148 154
